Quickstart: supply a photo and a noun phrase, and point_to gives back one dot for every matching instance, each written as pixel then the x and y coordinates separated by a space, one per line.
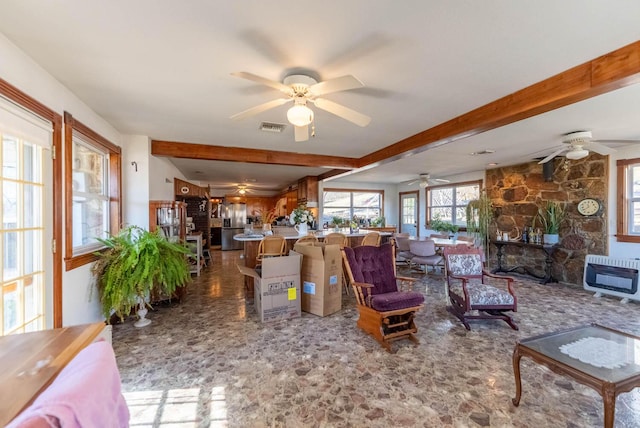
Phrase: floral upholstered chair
pixel 386 304
pixel 475 293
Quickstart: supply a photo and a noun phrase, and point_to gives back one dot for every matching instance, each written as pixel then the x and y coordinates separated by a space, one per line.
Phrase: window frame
pixel 623 168
pixel 454 186
pixel 74 128
pixel 351 192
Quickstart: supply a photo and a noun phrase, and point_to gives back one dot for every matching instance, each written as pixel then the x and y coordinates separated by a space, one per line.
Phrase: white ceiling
pixel 162 69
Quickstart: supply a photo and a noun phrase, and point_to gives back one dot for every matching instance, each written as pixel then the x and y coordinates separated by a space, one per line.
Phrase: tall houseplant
pixel 479 217
pixel 550 216
pixel 135 263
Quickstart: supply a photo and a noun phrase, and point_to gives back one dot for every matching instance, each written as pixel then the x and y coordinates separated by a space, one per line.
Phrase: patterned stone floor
pixel 209 362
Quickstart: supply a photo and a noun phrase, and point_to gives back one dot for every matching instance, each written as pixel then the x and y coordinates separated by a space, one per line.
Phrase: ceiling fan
pixel 302 89
pixel 578 143
pixel 425 180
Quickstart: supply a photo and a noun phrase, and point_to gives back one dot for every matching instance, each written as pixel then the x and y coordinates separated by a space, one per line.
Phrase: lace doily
pixel 598 352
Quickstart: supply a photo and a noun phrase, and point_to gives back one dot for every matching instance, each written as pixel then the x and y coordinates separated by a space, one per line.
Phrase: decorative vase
pixel 302 228
pixel 142 313
pixel 550 238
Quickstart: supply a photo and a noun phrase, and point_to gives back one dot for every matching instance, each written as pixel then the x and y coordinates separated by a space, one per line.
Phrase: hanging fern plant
pixel 136 262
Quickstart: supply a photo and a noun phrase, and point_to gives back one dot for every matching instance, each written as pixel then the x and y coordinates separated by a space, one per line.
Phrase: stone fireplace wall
pixel 518 191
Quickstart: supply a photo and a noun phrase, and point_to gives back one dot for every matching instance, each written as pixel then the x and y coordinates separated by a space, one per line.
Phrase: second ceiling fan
pixel 577 145
pixel 302 89
pixel 426 180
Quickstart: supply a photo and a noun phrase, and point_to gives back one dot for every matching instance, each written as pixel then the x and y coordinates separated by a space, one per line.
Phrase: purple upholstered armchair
pixel 472 289
pixel 386 304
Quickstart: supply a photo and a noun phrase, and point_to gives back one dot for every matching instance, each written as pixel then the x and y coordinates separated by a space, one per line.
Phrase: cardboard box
pixel 321 277
pixel 277 288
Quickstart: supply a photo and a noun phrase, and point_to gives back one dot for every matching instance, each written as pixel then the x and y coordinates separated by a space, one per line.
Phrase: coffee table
pixel 602 358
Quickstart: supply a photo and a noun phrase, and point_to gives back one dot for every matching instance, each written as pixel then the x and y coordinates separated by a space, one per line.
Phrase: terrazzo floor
pixel 209 362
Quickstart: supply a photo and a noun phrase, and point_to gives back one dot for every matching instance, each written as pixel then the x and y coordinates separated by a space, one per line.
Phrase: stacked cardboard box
pixel 321 277
pixel 276 287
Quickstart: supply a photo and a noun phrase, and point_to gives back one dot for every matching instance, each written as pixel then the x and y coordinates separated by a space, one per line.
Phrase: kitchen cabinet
pixel 308 190
pixel 292 201
pixel 170 217
pixel 259 205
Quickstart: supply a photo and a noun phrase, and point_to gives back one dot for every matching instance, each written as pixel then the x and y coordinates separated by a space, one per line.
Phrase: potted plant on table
pixel 136 263
pixel 302 218
pixel 550 216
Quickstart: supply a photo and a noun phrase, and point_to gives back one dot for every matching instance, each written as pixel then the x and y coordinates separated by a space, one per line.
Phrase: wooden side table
pixel 618 373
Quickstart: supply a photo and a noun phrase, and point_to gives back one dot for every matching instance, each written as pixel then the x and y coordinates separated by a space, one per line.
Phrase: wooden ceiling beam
pixel 606 73
pixel 238 154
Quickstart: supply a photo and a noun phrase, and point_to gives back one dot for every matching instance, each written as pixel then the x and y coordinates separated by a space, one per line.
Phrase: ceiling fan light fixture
pixel 577 154
pixel 424 183
pixel 300 115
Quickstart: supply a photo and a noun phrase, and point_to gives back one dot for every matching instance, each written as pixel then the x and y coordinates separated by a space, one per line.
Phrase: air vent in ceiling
pixel 272 127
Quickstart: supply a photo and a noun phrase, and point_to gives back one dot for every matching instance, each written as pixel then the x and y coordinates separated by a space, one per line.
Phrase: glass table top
pixel 600 352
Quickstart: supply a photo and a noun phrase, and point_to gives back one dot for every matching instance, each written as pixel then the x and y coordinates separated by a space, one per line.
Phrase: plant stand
pixel 142 313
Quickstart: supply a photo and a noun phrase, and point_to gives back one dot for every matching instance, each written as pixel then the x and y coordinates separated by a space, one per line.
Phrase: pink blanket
pixel 85 394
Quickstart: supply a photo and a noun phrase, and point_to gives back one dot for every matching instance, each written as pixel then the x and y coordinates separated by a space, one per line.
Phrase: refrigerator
pixel 234 217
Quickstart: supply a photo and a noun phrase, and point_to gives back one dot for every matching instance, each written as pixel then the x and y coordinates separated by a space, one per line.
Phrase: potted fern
pixel 136 263
pixel 550 216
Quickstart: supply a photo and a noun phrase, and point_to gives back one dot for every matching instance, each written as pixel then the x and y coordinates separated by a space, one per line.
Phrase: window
pixel 449 202
pixel 93 191
pixel 350 204
pixel 628 207
pixel 25 144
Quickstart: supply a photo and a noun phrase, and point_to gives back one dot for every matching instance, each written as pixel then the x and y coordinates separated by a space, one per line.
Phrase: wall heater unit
pixel 614 276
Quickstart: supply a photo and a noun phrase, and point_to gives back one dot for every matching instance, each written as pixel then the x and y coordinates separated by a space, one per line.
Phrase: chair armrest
pixel 405 283
pixel 509 280
pixel 362 285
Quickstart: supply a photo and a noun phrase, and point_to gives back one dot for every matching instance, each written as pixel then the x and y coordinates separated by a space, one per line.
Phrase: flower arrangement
pixel 301 215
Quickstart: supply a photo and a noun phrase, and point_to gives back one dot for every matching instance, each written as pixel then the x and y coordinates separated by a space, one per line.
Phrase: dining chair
pixel 271 246
pixel 424 253
pixel 307 239
pixel 371 238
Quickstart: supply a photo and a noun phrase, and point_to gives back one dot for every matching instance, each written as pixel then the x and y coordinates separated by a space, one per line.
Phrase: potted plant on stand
pixel 550 217
pixel 479 217
pixel 135 263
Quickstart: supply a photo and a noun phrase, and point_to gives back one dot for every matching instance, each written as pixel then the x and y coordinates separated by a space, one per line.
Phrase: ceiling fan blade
pixel 440 180
pixel 600 148
pixel 301 133
pixel 342 111
pixel 553 155
pixel 618 141
pixel 412 183
pixel 260 108
pixel 343 83
pixel 264 81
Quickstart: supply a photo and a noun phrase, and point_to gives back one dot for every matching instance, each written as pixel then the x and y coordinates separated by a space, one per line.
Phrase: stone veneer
pixel 518 191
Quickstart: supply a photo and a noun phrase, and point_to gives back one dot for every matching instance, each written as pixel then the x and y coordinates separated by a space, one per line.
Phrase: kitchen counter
pixel 252 242
pixel 320 236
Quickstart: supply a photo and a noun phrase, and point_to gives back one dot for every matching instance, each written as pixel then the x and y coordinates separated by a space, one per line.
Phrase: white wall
pixel 136 197
pixel 619 249
pixel 161 180
pixel 23 73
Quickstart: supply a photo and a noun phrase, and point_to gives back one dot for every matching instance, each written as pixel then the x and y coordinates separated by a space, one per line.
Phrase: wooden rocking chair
pixel 471 288
pixel 386 312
